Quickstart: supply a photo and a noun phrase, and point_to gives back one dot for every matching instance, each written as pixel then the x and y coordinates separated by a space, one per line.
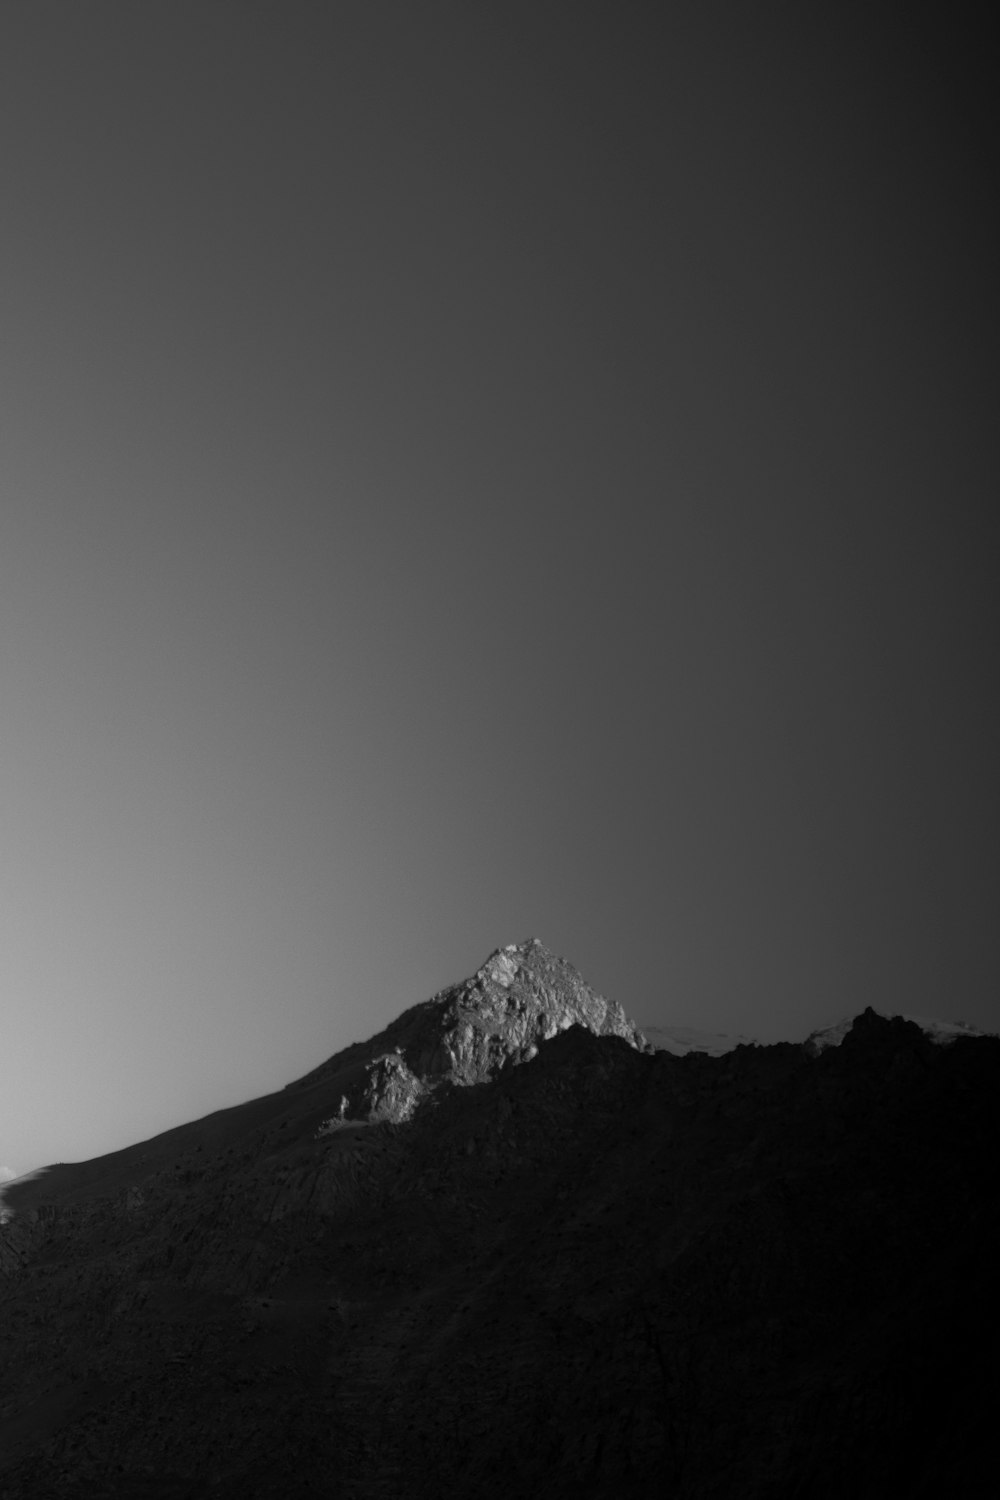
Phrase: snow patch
pixel 680 1040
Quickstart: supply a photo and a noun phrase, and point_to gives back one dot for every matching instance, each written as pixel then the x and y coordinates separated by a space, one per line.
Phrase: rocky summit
pixel 504 1249
pixel 521 997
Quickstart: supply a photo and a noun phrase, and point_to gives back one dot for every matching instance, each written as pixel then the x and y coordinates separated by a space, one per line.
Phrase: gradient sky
pixel 470 471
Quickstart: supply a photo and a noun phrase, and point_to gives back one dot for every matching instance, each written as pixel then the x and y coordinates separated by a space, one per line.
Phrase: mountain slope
pixel 601 1272
pixel 522 995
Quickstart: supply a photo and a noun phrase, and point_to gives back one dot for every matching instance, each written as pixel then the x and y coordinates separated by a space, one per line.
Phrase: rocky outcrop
pixel 468 1033
pixel 523 995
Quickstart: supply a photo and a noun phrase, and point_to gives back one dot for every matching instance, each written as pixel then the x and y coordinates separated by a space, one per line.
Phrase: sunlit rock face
pixel 522 995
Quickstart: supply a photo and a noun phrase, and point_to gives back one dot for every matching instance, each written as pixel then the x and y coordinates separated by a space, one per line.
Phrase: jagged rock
pixel 391 1091
pixel 523 995
pixel 466 1034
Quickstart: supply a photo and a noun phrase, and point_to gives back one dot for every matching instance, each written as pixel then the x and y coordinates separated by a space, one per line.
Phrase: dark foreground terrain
pixel 425 1271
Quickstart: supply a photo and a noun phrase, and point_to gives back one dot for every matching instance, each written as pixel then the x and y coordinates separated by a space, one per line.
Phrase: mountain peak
pixel 522 996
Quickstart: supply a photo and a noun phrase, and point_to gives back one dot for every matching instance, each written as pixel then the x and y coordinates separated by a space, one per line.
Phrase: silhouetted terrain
pixel 544 1262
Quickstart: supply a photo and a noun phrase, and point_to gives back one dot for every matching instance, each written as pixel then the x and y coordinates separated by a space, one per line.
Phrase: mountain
pixel 483 1270
pixel 522 996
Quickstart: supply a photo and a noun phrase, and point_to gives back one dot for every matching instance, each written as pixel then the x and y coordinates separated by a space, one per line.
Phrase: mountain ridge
pixel 599 1270
pixel 522 995
pixel 943 1033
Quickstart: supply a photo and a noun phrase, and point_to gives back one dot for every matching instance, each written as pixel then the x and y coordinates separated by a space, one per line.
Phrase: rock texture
pixel 603 1272
pixel 522 996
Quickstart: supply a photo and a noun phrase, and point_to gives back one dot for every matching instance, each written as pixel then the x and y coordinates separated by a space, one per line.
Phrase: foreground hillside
pixel 596 1271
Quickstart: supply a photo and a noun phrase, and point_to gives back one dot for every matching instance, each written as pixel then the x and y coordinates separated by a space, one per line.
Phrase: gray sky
pixel 481 470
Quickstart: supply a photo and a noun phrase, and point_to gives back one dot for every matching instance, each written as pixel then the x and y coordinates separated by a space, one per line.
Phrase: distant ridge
pixel 680 1040
pixel 941 1032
